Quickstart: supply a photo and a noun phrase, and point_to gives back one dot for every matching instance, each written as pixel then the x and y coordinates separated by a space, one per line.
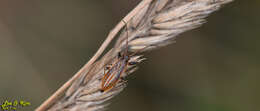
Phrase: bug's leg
pixel 123 79
pixel 132 63
pixel 102 79
pixel 101 90
pixel 119 55
pixel 104 70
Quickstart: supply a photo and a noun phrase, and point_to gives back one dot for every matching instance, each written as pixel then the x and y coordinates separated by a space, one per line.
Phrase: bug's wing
pixel 112 75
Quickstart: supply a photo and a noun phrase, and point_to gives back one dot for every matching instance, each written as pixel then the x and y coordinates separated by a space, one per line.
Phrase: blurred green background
pixel 213 68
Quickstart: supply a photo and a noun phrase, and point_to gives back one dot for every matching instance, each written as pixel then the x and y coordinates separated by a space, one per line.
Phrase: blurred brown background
pixel 212 68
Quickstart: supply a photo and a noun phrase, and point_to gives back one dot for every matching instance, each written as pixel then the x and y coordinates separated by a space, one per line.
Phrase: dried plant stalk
pixel 157 24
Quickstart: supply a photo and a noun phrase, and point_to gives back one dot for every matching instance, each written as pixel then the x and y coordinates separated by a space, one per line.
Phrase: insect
pixel 114 72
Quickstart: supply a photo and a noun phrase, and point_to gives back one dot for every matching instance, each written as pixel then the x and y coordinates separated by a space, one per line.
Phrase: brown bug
pixel 112 76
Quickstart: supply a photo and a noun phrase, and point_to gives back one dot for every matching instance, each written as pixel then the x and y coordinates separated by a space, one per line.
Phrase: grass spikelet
pixel 155 25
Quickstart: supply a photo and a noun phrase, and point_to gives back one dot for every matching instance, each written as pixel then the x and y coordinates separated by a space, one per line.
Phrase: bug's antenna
pixel 140 50
pixel 126 27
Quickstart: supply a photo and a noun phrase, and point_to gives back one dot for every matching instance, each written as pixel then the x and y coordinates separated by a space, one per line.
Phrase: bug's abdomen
pixel 113 75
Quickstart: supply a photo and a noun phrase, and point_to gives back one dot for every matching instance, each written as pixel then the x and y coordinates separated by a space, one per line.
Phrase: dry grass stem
pixel 154 25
